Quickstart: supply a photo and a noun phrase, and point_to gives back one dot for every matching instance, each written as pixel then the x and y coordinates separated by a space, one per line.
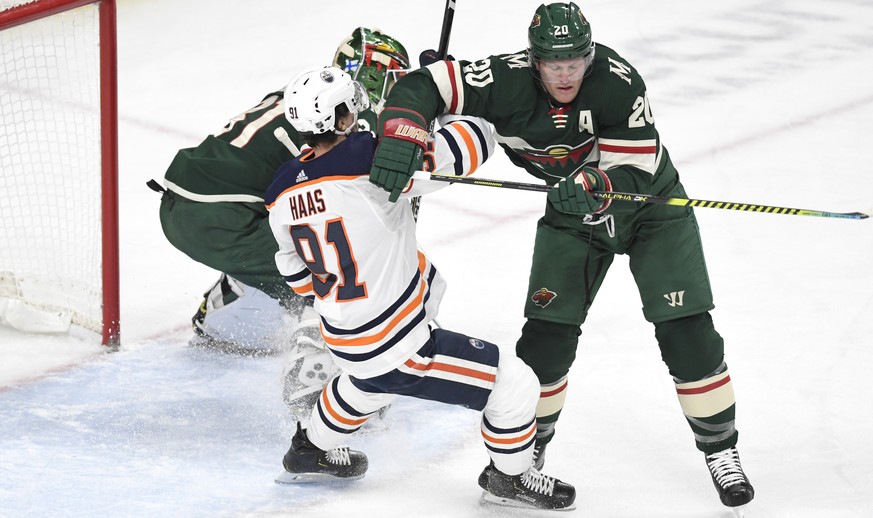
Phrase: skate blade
pixel 740 511
pixel 491 499
pixel 312 478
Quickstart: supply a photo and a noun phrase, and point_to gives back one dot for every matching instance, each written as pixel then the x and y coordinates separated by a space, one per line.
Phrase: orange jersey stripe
pixel 369 340
pixel 445 367
pixel 412 306
pixel 471 147
pixel 303 290
pixel 332 412
pixel 514 440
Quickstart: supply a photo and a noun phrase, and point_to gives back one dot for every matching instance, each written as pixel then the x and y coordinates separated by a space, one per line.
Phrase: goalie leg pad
pixel 306 372
pixel 238 317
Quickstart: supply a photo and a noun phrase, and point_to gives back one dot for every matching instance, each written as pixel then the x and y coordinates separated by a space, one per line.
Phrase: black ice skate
pixel 731 483
pixel 530 490
pixel 306 463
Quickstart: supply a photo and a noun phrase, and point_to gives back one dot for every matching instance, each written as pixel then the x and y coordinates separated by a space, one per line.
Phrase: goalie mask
pixel 375 60
pixel 559 39
pixel 311 99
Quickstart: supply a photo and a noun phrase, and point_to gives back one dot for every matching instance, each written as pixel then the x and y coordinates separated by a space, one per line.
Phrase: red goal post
pixel 51 259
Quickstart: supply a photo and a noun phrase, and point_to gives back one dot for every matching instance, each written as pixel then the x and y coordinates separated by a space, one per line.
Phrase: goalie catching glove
pixel 400 153
pixel 573 194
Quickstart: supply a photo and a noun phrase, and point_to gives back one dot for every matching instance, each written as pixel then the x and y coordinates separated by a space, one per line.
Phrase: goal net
pixel 58 167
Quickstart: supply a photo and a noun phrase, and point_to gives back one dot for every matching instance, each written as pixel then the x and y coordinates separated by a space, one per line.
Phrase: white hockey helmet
pixel 311 99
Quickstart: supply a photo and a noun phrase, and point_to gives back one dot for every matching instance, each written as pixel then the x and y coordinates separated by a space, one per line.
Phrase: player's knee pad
pixel 306 373
pixel 514 397
pixel 549 348
pixel 307 329
pixel 238 317
pixel 690 346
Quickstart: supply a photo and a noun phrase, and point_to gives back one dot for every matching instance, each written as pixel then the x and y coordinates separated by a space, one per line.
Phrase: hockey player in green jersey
pixel 212 209
pixel 575 114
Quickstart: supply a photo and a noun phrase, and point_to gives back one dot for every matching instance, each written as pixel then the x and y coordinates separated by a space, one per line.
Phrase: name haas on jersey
pixel 306 203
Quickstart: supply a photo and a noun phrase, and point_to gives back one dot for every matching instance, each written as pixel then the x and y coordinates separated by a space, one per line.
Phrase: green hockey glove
pixel 572 195
pixel 399 154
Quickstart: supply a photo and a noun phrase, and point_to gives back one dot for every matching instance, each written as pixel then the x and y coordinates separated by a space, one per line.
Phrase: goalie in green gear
pixel 375 60
pixel 250 309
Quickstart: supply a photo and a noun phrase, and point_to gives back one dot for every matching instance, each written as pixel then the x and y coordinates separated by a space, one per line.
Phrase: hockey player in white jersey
pixel 342 242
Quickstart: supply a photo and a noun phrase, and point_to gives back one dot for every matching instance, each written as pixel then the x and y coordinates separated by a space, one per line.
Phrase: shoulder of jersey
pixel 513 63
pixel 614 70
pixel 349 160
pixel 511 72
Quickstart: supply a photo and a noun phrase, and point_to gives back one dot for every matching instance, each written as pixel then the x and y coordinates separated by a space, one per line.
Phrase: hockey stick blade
pixel 645 198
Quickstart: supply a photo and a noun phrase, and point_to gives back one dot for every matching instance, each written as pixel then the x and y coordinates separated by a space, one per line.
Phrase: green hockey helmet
pixel 375 60
pixel 559 31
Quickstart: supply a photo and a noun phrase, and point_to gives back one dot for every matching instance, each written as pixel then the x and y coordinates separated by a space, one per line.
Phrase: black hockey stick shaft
pixel 664 200
pixel 442 52
pixel 446 32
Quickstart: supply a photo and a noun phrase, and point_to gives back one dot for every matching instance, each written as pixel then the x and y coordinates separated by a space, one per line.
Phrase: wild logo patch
pixel 543 297
pixel 558 155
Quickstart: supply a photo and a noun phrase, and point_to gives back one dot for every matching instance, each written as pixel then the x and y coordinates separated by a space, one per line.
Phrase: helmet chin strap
pixel 351 127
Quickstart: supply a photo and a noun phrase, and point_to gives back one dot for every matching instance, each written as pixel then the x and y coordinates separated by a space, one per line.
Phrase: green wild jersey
pixel 237 163
pixel 609 124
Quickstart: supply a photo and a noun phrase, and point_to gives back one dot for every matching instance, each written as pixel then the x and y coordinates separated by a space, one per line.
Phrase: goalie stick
pixel 646 198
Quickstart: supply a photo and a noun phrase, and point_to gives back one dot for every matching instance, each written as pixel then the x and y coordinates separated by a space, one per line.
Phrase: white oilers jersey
pixel 459 147
pixel 342 242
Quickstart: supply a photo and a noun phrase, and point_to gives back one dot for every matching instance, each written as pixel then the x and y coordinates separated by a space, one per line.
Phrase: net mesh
pixel 50 164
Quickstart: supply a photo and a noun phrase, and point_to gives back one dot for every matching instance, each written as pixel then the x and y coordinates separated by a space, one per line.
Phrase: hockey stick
pixel 442 52
pixel 448 18
pixel 645 198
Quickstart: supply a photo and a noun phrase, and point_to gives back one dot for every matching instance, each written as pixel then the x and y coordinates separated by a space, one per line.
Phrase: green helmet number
pixel 559 31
